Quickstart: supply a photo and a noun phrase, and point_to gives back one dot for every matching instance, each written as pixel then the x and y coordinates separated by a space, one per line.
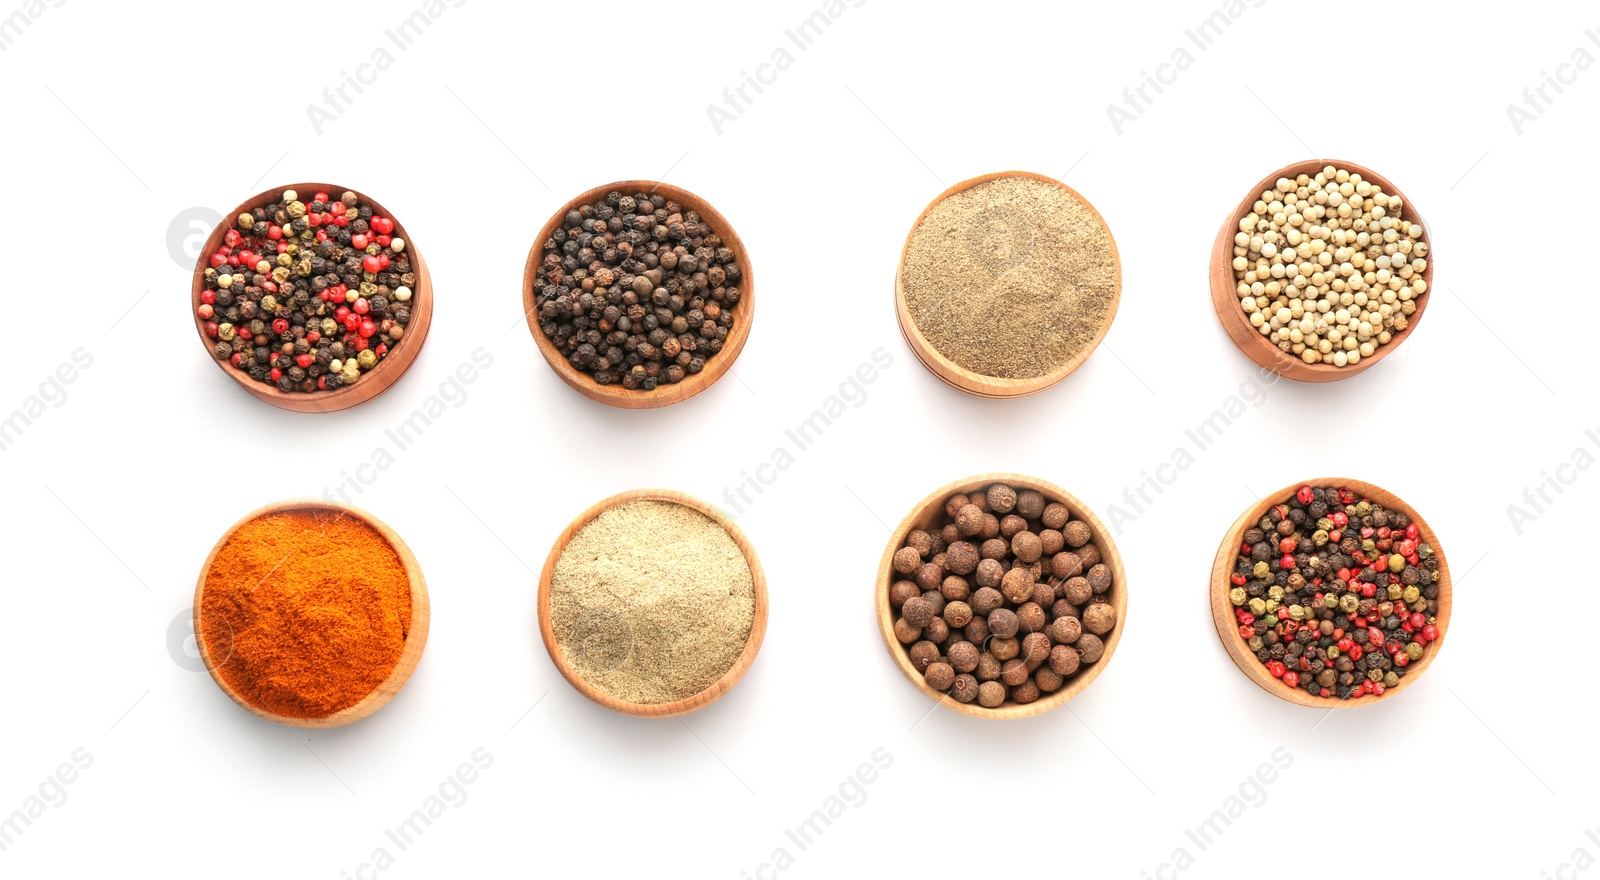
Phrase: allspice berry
pixel 989 572
pixel 964 656
pixel 969 521
pixel 1076 590
pixel 1100 577
pixel 1026 547
pixel 976 631
pixel 1090 554
pixel 929 576
pixel 1002 498
pixel 1076 532
pixel 954 505
pixel 1030 504
pixel 991 694
pixel 994 549
pixel 1051 542
pixel 1064 660
pixel 1055 516
pixel 955 588
pixel 940 676
pixel 961 558
pixel 918 611
pixel 901 591
pixel 965 689
pixel 1030 617
pixel 922 654
pixel 937 631
pixel 1014 672
pixel 1048 679
pixel 958 614
pixel 1003 622
pixel 1025 693
pixel 988 667
pixel 985 600
pixel 1064 630
pixel 905 632
pixel 1004 649
pixel 1035 649
pixel 1065 565
pixel 920 541
pixel 906 560
pixel 1099 618
pixel 1017 585
pixel 1090 647
pixel 1011 525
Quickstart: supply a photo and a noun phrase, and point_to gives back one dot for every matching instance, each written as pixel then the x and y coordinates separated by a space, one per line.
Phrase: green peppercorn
pixel 1320 537
pixel 1262 570
pixel 1348 603
pixel 1414 650
pixel 1390 679
pixel 1258 607
pixel 1297 613
pixel 1410 595
pixel 1397 563
pixel 1237 596
pixel 367 359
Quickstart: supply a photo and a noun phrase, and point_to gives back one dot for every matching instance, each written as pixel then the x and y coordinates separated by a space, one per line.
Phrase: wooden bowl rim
pixel 1222 609
pixel 664 395
pixel 416 634
pixel 1225 299
pixel 383 376
pixel 713 691
pixel 961 378
pixel 934 503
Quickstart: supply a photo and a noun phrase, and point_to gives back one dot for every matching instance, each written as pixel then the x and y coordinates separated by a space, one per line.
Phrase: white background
pixel 120 117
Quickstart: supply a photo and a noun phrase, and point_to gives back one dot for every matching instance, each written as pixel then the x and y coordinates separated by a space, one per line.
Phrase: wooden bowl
pixel 416 635
pixel 1222 609
pixel 1224 287
pixel 758 626
pixel 929 515
pixel 372 383
pixel 615 395
pixel 961 378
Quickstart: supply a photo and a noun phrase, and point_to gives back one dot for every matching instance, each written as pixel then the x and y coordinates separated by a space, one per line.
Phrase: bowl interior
pixel 758 625
pixel 1222 609
pixel 416 634
pixel 1225 298
pixel 929 514
pixel 954 374
pixel 662 395
pixel 386 373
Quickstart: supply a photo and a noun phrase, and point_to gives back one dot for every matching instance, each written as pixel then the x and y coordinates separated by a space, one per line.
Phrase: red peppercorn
pixel 361 306
pixel 322 235
pixel 1276 668
pixel 382 225
pixel 1304 495
pixel 1345 645
pixel 1238 580
pixel 1402 659
pixel 382 349
pixel 361 343
pixel 1430 632
pixel 341 220
pixel 1287 545
pixel 1413 532
pixel 274 232
pixel 231 237
pixel 1339 518
pixel 383 240
pixel 358 241
pixel 1346 496
pixel 313 337
pixel 244 333
pixel 1355 652
pixel 1417 620
pixel 283 247
pixel 322 383
pixel 370 264
pixel 351 322
pixel 211 329
pixel 368 328
pixel 218 260
pixel 305 360
pixel 313 220
pixel 1291 678
pixel 336 208
pixel 1287 561
pixel 1374 636
pixel 319 197
pixel 205 311
pixel 1377 689
pixel 233 259
pixel 276 374
pixel 280 326
pixel 1369 590
pixel 1246 631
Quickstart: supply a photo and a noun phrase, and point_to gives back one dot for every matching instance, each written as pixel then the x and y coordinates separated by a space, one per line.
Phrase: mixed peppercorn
pixel 307 296
pixel 636 291
pixel 1335 594
pixel 1007 601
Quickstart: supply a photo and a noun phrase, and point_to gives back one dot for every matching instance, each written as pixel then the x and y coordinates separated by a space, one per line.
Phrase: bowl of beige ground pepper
pixel 1007 283
pixel 1322 270
pixel 311 613
pixel 1001 596
pixel 652 603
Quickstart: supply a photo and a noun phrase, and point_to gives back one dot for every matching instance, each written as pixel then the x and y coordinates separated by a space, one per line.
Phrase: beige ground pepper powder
pixel 651 602
pixel 1011 278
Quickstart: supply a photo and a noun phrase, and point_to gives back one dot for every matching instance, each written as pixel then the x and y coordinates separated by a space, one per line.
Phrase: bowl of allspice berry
pixel 1001 596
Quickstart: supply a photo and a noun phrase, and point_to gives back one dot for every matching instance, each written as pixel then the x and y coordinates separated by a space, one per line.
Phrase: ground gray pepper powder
pixel 651 602
pixel 1011 278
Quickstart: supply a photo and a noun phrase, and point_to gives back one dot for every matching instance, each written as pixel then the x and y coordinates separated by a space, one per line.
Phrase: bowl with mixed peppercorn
pixel 1001 596
pixel 639 294
pixel 312 297
pixel 1331 592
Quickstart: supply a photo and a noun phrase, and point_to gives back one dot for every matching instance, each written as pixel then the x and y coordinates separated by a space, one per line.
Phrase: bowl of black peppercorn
pixel 639 294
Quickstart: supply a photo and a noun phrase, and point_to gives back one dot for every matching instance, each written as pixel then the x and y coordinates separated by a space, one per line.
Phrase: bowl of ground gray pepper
pixel 652 603
pixel 1007 283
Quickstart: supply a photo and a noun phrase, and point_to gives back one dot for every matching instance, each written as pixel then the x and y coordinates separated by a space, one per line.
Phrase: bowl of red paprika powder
pixel 357 285
pixel 310 613
pixel 1360 574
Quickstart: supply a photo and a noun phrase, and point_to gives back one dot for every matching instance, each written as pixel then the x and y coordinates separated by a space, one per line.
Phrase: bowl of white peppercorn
pixel 1322 270
pixel 1001 596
